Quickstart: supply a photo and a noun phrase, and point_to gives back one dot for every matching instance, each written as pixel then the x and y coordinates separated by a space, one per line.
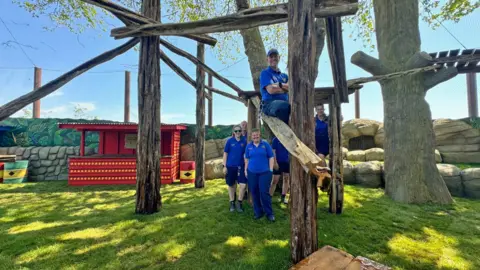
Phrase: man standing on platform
pixel 274 89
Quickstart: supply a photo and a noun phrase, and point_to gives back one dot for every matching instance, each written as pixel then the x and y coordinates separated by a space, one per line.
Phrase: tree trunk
pixel 200 130
pixel 148 198
pixel 304 196
pixel 411 174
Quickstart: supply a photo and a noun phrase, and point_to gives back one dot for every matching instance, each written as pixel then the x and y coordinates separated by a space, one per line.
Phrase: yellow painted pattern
pixel 102 178
pixel 103 171
pixel 16 173
pixel 187 174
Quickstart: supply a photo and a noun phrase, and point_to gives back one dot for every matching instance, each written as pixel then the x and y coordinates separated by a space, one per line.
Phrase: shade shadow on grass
pixel 96 228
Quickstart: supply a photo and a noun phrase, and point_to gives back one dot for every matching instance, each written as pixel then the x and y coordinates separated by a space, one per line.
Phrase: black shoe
pixel 284 199
pixel 232 206
pixel 258 217
pixel 239 207
pixel 271 218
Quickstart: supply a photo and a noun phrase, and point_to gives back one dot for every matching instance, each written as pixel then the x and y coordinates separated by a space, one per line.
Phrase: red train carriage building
pixel 115 162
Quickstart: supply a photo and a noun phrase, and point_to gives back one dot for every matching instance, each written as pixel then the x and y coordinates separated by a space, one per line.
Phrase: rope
pixel 389 76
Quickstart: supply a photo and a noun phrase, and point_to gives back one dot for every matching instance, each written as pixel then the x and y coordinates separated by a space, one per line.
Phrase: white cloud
pixel 55 94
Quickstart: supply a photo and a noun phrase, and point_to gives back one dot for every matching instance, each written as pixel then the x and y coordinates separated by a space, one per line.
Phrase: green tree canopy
pixel 77 16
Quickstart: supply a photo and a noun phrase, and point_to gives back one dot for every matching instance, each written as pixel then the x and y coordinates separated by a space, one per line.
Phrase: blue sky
pixel 100 91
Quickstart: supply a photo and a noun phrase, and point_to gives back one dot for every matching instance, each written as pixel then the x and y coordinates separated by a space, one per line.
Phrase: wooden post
pixel 335 198
pixel 37 83
pixel 200 114
pixel 82 143
pixel 252 119
pixel 126 116
pixel 357 104
pixel 303 192
pixel 472 94
pixel 210 102
pixel 148 198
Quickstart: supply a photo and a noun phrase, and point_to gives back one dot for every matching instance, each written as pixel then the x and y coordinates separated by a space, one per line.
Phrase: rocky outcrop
pixel 369 174
pixel 214 169
pixel 356 155
pixel 458 141
pixel 358 127
pixel 374 154
pixel 380 136
pixel 213 150
pixel 452 178
pixel 471 182
pixel 45 163
pixel 349 173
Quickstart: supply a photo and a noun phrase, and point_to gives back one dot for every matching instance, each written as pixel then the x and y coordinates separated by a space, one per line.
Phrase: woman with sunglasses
pixel 234 167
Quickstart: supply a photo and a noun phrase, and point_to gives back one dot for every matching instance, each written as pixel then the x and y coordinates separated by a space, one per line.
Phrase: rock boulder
pixel 452 178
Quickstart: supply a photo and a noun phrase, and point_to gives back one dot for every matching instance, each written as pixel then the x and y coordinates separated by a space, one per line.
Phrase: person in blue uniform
pixel 234 167
pixel 322 142
pixel 274 89
pixel 282 165
pixel 259 168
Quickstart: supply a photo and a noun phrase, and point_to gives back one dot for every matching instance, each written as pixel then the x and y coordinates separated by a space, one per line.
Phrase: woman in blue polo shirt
pixel 234 167
pixel 282 160
pixel 259 168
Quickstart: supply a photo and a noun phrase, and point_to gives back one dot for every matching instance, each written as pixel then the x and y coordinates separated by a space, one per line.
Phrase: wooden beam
pixel 244 19
pixel 196 61
pixel 126 109
pixel 37 83
pixel 336 161
pixel 130 17
pixel 307 157
pixel 18 103
pixel 337 58
pixel 357 104
pixel 210 102
pixel 200 120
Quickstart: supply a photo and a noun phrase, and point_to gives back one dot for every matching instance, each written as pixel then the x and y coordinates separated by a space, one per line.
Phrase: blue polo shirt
pixel 280 150
pixel 270 76
pixel 235 150
pixel 258 156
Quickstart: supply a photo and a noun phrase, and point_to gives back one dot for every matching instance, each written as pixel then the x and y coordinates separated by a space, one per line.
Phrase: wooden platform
pixel 330 258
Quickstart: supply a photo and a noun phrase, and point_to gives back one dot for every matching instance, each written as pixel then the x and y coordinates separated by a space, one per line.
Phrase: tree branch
pixel 18 103
pixel 419 60
pixel 244 19
pixel 195 60
pixel 369 63
pixel 128 17
pixel 433 78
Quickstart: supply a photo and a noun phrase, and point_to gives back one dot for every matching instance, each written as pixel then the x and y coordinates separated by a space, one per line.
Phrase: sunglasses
pixel 237 131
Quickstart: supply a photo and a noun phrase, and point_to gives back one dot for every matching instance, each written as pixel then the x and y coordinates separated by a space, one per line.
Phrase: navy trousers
pixel 259 186
pixel 277 108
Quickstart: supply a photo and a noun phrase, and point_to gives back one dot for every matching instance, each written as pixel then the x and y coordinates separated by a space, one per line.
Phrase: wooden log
pixel 244 19
pixel 37 83
pixel 196 61
pixel 337 58
pixel 200 115
pixel 252 122
pixel 129 17
pixel 306 156
pixel 434 78
pixel 368 63
pixel 17 104
pixel 148 198
pixel 303 188
pixel 179 71
pixel 336 161
pixel 210 102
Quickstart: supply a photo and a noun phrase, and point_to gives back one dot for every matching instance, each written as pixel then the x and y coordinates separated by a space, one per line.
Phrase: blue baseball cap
pixel 272 51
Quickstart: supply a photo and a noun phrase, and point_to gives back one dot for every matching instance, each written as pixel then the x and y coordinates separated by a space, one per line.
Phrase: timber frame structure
pixel 300 15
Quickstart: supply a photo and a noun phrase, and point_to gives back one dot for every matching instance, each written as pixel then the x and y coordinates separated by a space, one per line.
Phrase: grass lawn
pixel 50 225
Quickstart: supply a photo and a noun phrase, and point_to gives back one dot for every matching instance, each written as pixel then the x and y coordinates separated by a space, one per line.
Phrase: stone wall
pixel 45 163
pixel 456 140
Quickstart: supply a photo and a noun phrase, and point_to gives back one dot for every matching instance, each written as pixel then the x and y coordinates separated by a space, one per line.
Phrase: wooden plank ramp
pixel 330 258
pixel 306 156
